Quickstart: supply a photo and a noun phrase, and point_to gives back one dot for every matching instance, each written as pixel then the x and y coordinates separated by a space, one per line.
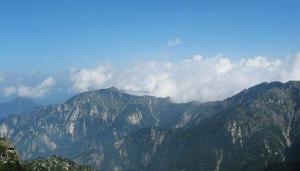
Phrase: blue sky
pixel 49 36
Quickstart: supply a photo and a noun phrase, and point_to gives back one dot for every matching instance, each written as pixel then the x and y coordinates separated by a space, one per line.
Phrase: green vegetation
pixel 53 164
pixel 10 161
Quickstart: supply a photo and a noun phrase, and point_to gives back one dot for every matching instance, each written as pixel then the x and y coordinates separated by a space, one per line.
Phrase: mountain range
pixel 109 129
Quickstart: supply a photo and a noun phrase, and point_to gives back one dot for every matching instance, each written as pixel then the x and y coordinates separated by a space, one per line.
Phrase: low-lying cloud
pixel 26 91
pixel 198 78
pixel 194 79
pixel 87 79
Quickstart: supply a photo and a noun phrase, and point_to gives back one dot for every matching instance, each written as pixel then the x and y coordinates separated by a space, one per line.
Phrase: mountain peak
pixel 112 89
pixel 252 93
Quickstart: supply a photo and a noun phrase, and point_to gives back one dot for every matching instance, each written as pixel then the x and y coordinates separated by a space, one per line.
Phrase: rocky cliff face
pixel 252 130
pixel 91 121
pixel 112 130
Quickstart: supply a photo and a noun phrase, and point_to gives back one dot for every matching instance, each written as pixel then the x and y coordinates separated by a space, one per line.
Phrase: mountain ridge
pixel 111 129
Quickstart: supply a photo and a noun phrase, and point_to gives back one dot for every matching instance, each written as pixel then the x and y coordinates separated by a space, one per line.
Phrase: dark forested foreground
pixel 10 161
pixel 257 129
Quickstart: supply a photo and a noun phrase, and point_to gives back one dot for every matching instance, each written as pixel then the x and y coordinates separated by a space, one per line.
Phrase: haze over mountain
pixel 112 130
pixel 17 106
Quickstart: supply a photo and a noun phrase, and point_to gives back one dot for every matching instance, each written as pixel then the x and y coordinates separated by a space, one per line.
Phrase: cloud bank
pixel 26 91
pixel 198 78
pixel 194 79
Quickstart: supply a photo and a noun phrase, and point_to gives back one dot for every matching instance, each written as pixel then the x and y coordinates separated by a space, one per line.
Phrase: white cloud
pixel 25 91
pixel 85 79
pixel 198 78
pixel 195 58
pixel 174 42
pixel 293 72
pixel 8 91
pixel 261 62
pixel 222 66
